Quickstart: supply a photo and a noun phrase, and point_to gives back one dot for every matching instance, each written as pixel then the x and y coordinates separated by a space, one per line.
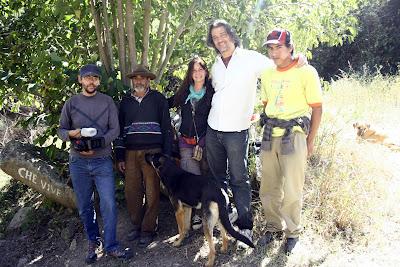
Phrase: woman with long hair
pixel 193 99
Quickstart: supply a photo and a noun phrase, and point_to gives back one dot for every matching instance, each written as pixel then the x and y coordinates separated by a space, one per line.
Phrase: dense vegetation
pixel 376 46
pixel 43 42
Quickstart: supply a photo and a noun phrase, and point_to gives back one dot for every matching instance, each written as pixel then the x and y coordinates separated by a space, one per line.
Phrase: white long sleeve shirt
pixel 235 89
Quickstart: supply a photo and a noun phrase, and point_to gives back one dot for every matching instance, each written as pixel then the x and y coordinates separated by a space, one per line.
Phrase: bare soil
pixel 57 239
pixel 54 237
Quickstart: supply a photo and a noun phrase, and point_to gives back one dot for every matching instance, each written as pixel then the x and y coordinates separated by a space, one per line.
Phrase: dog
pixel 187 191
pixel 365 132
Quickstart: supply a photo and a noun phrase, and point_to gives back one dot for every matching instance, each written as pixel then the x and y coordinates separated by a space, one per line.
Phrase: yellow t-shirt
pixel 290 93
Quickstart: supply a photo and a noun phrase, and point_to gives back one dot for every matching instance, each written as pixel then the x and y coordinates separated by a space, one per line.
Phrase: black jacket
pixel 202 109
pixel 144 125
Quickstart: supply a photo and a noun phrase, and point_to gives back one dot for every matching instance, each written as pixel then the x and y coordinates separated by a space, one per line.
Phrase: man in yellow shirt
pixel 289 95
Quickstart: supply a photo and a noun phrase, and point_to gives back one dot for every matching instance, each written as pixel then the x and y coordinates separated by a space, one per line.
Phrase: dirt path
pixel 44 246
pixel 48 248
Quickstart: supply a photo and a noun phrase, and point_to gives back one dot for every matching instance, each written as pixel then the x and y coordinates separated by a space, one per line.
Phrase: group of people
pixel 216 108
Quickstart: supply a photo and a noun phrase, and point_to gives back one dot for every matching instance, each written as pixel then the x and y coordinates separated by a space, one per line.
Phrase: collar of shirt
pixel 138 98
pixel 237 52
pixel 235 89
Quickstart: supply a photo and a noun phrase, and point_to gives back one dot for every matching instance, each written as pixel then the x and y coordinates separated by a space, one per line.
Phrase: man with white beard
pixel 145 127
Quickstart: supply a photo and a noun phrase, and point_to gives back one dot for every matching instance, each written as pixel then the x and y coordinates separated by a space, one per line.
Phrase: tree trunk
pixel 100 42
pixel 130 28
pixel 107 34
pixel 163 50
pixel 146 31
pixel 121 38
pixel 176 37
pixel 161 29
pixel 29 164
pixel 115 21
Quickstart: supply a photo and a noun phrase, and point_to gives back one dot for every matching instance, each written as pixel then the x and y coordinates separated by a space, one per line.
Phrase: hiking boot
pixel 196 222
pixel 290 244
pixel 268 237
pixel 232 213
pixel 94 247
pixel 124 254
pixel 133 235
pixel 247 233
pixel 146 238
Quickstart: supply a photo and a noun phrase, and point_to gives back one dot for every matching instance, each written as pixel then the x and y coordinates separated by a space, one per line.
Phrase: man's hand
pixel 310 147
pixel 121 166
pixel 87 153
pixel 301 60
pixel 75 133
pixel 316 115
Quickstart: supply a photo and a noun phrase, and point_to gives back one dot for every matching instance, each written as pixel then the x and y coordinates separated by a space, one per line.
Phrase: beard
pixel 90 89
pixel 139 88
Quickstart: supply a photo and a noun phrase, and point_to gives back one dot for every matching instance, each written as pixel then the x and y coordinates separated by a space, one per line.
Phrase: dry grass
pixel 351 213
pixel 350 185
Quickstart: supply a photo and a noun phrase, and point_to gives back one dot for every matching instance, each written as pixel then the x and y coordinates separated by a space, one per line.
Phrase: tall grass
pixel 351 185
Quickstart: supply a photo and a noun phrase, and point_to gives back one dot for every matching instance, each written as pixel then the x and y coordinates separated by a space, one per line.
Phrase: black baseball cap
pixel 90 70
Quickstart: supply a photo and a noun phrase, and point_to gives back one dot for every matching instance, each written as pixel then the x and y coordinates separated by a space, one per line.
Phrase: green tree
pixel 376 46
pixel 45 41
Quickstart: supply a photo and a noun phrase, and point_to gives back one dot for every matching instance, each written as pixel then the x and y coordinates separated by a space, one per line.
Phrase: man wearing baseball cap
pixel 93 114
pixel 145 127
pixel 292 100
pixel 234 73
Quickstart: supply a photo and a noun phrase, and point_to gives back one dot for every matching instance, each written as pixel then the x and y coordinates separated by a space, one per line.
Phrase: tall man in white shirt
pixel 234 74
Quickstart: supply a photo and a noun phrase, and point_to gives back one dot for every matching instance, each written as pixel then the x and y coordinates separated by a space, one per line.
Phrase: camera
pixel 88 141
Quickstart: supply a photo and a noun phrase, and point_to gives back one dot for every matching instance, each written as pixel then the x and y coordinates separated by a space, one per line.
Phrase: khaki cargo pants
pixel 281 189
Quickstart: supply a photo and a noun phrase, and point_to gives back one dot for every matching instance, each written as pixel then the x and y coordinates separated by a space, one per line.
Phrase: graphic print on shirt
pixel 279 90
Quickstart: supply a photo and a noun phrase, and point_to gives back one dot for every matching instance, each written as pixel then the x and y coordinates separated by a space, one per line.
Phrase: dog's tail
pixel 224 218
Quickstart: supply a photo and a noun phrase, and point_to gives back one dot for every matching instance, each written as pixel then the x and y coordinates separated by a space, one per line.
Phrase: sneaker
pixel 268 237
pixel 247 233
pixel 290 244
pixel 146 238
pixel 124 254
pixel 133 235
pixel 232 213
pixel 94 247
pixel 196 222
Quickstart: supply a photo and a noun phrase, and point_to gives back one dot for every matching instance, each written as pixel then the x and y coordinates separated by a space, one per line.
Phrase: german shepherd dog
pixel 187 191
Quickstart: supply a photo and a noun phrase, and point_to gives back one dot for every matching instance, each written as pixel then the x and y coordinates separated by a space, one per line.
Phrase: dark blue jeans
pixel 99 172
pixel 227 158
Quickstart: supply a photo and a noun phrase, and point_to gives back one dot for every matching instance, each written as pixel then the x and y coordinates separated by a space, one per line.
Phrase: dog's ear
pixel 355 125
